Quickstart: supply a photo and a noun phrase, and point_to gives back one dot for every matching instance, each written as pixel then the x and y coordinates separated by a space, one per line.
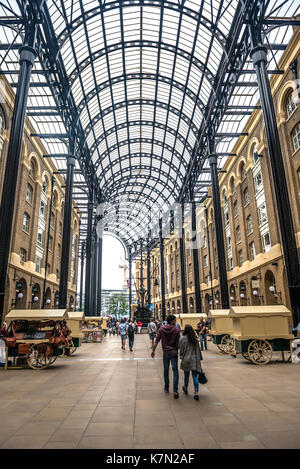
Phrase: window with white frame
pixel 22 256
pixel 290 105
pixel 235 208
pixel 296 137
pixel 266 242
pixel 258 182
pixel 252 251
pixel 40 237
pixel 42 210
pixel 246 196
pixel 238 234
pixel 229 245
pixel 32 170
pixel 249 224
pixel 205 261
pixel 204 242
pixel 38 264
pixel 231 265
pixel 226 215
pixel 255 154
pixel 29 193
pixel 262 214
pixel 26 222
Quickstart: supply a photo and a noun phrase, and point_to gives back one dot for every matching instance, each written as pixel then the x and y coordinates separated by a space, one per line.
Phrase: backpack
pixel 130 329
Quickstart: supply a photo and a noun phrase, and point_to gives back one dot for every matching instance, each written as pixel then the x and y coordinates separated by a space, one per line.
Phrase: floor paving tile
pixel 118 402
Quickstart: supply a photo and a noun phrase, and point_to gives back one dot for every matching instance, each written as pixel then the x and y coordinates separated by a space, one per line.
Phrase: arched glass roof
pixel 143 75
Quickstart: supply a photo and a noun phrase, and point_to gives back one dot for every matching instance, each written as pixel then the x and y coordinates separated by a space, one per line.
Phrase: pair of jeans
pixel 167 358
pixel 195 379
pixel 131 340
pixel 203 339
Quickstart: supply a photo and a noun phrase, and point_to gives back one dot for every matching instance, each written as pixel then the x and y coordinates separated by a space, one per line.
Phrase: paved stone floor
pixel 104 397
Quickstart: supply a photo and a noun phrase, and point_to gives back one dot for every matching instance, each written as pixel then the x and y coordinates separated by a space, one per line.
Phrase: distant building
pixel 107 294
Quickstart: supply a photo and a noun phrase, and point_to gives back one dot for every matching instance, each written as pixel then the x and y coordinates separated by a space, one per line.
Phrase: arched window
pixel 29 194
pixel 232 185
pixel 45 185
pixel 255 154
pixel 296 137
pixel 32 170
pixel 224 197
pixel 243 171
pixel 290 105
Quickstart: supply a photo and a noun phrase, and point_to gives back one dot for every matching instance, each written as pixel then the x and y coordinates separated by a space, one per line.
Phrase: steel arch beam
pixel 84 64
pixel 141 76
pixel 173 6
pixel 158 125
pixel 143 176
pixel 140 140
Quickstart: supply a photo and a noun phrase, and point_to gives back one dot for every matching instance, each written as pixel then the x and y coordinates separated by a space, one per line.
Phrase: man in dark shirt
pixel 202 330
pixel 169 336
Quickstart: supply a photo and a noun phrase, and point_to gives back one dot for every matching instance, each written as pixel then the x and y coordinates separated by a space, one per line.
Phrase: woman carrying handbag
pixel 191 357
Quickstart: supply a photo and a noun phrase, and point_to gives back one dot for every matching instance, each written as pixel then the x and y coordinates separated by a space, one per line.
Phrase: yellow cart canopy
pixel 37 315
pixel 218 313
pixel 76 315
pixel 262 311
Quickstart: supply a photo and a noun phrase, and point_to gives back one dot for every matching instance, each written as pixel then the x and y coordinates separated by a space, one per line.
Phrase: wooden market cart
pixel 36 337
pixel 92 329
pixel 258 331
pixel 190 318
pixel 221 329
pixel 75 321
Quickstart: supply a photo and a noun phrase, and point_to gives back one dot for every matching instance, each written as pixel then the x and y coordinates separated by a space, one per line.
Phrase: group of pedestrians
pixel 169 333
pixel 189 351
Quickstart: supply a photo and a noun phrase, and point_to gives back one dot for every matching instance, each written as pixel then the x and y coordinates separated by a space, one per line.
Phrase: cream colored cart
pixel 191 319
pixel 258 331
pixel 92 329
pixel 75 320
pixel 38 336
pixel 221 329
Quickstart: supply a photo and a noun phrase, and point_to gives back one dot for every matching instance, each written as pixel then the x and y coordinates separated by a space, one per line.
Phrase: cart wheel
pixel 220 348
pixel 260 351
pixel 35 359
pixel 227 344
pixel 245 355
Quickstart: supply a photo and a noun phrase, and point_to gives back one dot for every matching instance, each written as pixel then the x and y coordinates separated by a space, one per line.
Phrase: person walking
pixel 122 330
pixel 202 331
pixel 191 357
pixel 139 326
pixel 169 336
pixel 117 326
pixel 130 333
pixel 151 331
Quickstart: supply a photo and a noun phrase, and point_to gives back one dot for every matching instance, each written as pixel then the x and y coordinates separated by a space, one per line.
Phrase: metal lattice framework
pixel 141 85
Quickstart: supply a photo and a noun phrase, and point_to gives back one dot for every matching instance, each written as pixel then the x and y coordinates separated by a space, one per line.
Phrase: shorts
pixel 151 335
pixel 123 336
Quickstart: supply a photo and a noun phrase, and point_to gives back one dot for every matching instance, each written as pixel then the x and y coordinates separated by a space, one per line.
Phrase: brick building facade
pixel 26 270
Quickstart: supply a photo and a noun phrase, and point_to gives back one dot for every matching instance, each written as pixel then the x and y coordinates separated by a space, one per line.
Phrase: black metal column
pixel 182 263
pixel 130 282
pixel 291 258
pixel 148 275
pixel 66 241
pixel 7 208
pixel 81 274
pixel 99 276
pixel 162 272
pixel 47 245
pixel 196 260
pixel 94 269
pixel 219 232
pixel 209 258
pixel 87 306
